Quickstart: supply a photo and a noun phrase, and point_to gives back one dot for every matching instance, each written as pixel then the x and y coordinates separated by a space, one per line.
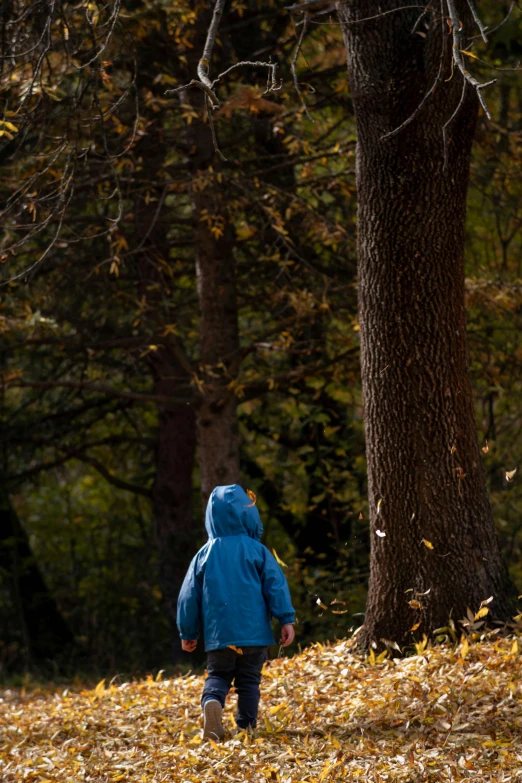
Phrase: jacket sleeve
pixel 189 602
pixel 275 590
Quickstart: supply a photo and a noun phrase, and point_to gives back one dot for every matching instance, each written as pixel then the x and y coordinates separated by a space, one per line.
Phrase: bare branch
pixel 459 62
pixel 107 475
pixel 293 66
pixel 448 123
pixel 203 82
pixel 477 21
pixel 310 5
pixel 159 399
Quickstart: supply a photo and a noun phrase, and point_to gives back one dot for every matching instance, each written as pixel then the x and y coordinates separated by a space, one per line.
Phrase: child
pixel 234 586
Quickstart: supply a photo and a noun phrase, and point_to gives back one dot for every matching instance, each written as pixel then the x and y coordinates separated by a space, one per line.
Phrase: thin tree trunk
pixel 426 481
pixel 43 629
pixel 175 530
pixel 172 498
pixel 218 432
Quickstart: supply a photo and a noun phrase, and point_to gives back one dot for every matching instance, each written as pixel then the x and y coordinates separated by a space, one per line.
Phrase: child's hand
pixel 189 645
pixel 287 634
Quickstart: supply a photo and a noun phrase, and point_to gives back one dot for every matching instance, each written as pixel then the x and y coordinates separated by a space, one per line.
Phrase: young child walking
pixel 233 588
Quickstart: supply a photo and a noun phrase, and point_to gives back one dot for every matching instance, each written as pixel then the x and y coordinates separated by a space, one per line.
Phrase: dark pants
pixel 226 666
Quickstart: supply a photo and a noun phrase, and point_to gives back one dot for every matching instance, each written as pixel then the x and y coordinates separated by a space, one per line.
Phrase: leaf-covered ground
pixel 326 715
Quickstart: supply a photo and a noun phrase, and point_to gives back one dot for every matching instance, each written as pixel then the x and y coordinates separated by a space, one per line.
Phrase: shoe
pixel 213 726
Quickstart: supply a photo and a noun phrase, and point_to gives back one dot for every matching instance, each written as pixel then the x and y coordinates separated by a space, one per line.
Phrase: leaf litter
pixel 329 714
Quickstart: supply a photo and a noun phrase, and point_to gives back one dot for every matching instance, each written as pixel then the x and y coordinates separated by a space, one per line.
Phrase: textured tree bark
pixel 218 432
pixel 425 476
pixel 45 633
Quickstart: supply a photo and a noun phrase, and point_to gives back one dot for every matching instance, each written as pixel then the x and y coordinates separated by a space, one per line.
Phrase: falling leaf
pixel 426 592
pixel 320 603
pixel 389 643
pixel 487 601
pixel 380 533
pixel 427 543
pixel 510 474
pixel 481 613
pixel 414 627
pixel 238 650
pixel 253 498
pixel 415 604
pixel 485 448
pixel 360 516
pixel 379 506
pixel 278 559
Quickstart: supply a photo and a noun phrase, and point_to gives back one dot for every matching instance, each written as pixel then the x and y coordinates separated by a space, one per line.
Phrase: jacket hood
pixel 230 512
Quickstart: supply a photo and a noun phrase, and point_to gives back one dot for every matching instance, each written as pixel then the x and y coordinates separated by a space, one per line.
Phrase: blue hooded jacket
pixel 233 585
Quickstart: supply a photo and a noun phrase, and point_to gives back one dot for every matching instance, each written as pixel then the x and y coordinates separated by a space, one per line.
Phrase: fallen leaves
pixel 328 715
pixel 510 474
pixel 427 543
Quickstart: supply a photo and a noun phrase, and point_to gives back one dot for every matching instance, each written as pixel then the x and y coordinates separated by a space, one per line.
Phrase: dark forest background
pixel 111 194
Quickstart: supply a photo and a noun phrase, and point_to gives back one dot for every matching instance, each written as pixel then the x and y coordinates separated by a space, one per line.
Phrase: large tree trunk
pixel 425 475
pixel 44 631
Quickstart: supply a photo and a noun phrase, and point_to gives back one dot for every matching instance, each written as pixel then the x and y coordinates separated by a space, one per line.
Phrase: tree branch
pixel 457 56
pixel 159 399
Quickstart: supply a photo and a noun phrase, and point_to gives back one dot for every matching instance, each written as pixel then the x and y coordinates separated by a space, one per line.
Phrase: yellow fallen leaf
pixel 481 613
pixel 427 543
pixel 414 627
pixel 236 649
